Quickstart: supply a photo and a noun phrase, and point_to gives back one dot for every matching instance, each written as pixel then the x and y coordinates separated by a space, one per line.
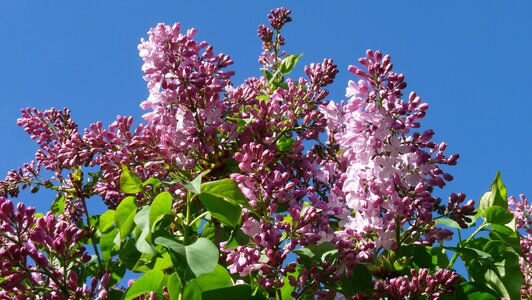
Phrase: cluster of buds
pixel 420 284
pixel 42 256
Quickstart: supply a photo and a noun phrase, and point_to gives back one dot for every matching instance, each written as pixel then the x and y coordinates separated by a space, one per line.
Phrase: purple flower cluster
pixel 271 44
pixel 41 256
pixel 274 172
pixel 422 283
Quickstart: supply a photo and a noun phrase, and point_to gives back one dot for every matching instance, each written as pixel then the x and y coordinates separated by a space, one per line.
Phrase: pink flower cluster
pixel 391 170
pixel 42 255
pixel 185 79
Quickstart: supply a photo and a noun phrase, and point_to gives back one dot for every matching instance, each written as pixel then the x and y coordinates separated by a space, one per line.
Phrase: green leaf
pixel 236 238
pixel 219 278
pixel 115 295
pixel 154 182
pixel 500 272
pixel 287 289
pixel 289 62
pixel 150 281
pixel 267 74
pixel 496 196
pixel 503 229
pixel 130 182
pixel 285 143
pixel 448 222
pixel 107 220
pixel 142 219
pixel 453 224
pixel 58 206
pixel 500 192
pixel 511 240
pixel 420 255
pixel 276 79
pixel 474 291
pixel 117 271
pixel 498 215
pixel 439 257
pixel 241 292
pixel 128 254
pixel 226 212
pixel 400 264
pixel 225 188
pixel 125 212
pixel 173 286
pixel 485 201
pixel 163 262
pixel 161 205
pixel 316 253
pixel 195 185
pixel 109 244
pixel 202 256
pixel 360 281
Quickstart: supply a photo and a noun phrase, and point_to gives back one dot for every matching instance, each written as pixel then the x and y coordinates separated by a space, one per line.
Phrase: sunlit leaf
pixel 161 205
pixel 150 281
pixel 130 182
pixel 125 213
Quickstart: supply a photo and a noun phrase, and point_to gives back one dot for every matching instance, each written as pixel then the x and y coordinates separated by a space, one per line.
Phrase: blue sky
pixel 470 60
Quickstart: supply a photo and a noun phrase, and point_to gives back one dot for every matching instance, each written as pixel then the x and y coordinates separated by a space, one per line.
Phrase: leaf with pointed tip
pixel 289 62
pixel 151 281
pixel 226 212
pixel 125 212
pixel 225 188
pixel 142 219
pixel 218 278
pixel 161 205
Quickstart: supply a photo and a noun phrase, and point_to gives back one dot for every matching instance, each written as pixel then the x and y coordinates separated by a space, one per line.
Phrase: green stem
pixel 398 233
pixel 278 294
pixel 187 219
pixel 199 217
pixel 456 254
pixel 93 239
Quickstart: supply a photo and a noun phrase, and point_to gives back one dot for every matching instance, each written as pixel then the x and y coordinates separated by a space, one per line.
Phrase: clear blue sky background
pixel 470 60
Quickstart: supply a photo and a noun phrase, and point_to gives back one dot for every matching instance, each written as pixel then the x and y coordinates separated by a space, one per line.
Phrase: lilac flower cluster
pixel 390 171
pixel 42 256
pixel 422 283
pixel 185 79
pixel 184 127
pixel 62 147
pixel 522 211
pixel 271 44
pixel 271 175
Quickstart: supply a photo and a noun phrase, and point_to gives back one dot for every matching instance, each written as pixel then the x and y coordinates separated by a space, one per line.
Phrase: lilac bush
pixel 263 190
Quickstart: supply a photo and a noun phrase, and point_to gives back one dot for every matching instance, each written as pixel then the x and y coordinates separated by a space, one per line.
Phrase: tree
pixel 210 196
